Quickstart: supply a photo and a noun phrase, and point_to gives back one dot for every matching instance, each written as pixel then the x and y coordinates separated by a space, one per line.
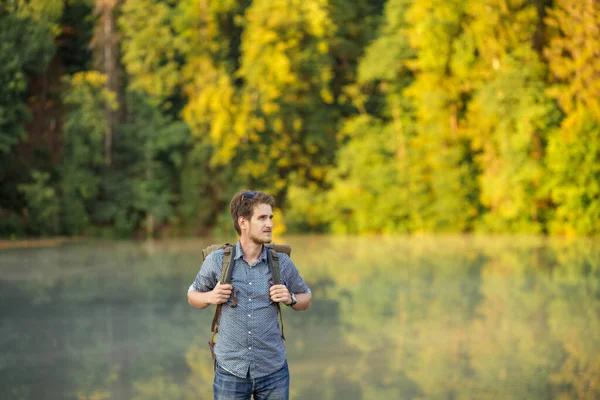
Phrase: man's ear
pixel 242 222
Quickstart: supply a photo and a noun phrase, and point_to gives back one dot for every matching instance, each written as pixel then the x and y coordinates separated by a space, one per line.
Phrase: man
pixel 250 356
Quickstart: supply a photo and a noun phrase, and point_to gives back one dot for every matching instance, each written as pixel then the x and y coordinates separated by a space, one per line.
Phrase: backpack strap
pixel 228 256
pixel 273 261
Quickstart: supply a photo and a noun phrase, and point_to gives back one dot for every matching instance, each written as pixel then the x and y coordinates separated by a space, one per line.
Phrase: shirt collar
pixel 239 253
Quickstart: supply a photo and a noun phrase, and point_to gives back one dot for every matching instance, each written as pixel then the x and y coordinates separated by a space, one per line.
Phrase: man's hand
pixel 280 294
pixel 220 294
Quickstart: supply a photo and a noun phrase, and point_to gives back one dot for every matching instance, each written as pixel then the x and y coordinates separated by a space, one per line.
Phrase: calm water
pixel 392 318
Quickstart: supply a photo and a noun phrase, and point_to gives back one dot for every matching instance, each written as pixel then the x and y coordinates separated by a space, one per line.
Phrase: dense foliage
pixel 125 117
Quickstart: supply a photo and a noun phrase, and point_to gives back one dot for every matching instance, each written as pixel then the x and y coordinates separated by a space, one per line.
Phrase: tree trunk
pixel 397 118
pixel 454 121
pixel 109 70
pixel 106 44
pixel 149 177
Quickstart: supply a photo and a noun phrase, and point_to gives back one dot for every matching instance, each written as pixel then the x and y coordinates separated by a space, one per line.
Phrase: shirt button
pixel 249 283
pixel 248 314
pixel 249 348
pixel 249 299
pixel 249 331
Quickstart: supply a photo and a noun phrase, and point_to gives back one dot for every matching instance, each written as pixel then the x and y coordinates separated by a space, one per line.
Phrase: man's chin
pixel 262 240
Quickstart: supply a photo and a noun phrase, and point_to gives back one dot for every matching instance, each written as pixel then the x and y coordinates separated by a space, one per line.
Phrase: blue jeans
pixel 271 387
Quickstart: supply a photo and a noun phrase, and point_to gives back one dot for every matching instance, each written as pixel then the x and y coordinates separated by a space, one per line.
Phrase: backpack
pixel 228 255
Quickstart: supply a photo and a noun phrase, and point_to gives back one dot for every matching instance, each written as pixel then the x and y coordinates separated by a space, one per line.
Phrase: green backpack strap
pixel 273 260
pixel 228 256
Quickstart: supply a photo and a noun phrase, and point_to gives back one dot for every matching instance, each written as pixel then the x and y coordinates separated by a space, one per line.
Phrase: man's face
pixel 260 228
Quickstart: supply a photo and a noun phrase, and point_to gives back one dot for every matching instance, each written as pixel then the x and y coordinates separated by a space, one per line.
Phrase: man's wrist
pixel 293 300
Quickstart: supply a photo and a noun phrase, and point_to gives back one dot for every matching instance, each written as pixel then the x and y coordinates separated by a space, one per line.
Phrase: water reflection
pixel 392 318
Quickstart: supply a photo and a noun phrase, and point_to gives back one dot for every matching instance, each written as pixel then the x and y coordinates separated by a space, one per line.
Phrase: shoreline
pixel 32 243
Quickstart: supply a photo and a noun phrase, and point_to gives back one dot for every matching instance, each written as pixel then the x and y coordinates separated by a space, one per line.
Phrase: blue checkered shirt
pixel 249 335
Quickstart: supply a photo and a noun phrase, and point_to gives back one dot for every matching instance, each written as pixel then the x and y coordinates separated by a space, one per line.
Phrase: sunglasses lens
pixel 248 195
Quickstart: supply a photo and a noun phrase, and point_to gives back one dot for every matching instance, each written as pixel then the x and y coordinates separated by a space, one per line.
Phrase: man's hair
pixel 243 202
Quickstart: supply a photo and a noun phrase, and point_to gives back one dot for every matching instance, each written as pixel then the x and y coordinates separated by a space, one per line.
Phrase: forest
pixel 140 118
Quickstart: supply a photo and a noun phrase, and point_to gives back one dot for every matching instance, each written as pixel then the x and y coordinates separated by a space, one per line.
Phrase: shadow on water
pixel 392 318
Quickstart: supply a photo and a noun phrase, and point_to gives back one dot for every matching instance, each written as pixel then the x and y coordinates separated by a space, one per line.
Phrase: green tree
pixel 43 205
pixel 144 188
pixel 84 157
pixel 367 192
pixel 509 114
pixel 445 193
pixel 368 184
pixel 210 45
pixel 574 149
pixel 152 49
pixel 27 30
pixel 285 130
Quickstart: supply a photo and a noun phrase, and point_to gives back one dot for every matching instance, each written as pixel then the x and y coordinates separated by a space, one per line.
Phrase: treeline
pixel 124 117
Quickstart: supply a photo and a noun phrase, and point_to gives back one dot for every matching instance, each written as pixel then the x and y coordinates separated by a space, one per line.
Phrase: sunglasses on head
pixel 248 195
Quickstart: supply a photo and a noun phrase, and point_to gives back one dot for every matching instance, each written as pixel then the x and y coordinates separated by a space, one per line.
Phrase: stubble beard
pixel 258 240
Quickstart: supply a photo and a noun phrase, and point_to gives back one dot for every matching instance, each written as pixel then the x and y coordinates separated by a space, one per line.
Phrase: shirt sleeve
pixel 290 276
pixel 207 277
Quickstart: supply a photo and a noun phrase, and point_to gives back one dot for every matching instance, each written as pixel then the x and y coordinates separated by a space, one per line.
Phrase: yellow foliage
pixel 84 83
pixel 270 108
pixel 573 56
pixel 93 78
pixel 327 96
pixel 297 124
pixel 279 227
pixel 278 125
pixel 323 47
pixel 283 163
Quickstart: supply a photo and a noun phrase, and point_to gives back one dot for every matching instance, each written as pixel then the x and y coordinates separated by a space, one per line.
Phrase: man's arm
pixel 293 284
pixel 206 289
pixel 220 294
pixel 198 299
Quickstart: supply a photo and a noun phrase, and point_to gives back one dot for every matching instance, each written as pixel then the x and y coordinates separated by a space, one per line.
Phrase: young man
pixel 250 356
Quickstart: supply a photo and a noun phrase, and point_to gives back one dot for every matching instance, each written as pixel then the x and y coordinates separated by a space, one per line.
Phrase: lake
pixel 432 317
